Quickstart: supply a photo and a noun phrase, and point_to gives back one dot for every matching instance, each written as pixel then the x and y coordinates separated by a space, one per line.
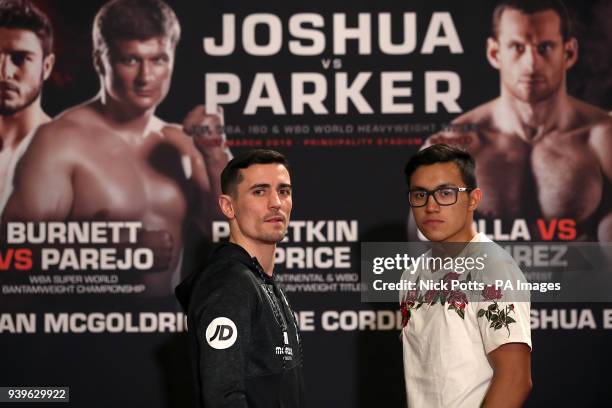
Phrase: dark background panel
pixel 343 368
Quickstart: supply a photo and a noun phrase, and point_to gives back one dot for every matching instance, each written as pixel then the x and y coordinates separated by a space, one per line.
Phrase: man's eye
pixel 285 191
pixel 258 192
pixel 517 47
pixel 129 61
pixel 544 48
pixel 418 194
pixel 18 59
pixel 159 61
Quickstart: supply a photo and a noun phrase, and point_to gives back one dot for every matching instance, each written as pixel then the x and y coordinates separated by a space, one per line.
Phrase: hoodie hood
pixel 223 252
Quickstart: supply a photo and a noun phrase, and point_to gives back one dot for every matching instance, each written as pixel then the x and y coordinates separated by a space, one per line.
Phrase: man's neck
pixel 463 236
pixel 454 245
pixel 14 128
pixel 531 121
pixel 123 119
pixel 263 252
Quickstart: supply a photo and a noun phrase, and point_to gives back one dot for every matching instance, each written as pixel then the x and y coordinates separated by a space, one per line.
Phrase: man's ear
pixel 493 52
pixel 475 198
pixel 48 63
pixel 571 52
pixel 227 206
pixel 98 63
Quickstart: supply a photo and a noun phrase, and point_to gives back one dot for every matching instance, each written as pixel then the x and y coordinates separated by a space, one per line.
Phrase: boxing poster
pixel 109 185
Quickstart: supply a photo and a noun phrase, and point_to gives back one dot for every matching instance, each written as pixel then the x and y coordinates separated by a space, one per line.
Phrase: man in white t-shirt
pixel 460 349
pixel 26 62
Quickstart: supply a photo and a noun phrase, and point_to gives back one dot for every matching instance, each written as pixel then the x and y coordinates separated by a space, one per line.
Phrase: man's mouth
pixel 533 80
pixel 275 219
pixel 433 222
pixel 7 87
pixel 144 92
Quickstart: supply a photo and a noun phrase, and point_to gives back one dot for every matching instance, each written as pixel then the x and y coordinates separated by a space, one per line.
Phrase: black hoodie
pixel 246 346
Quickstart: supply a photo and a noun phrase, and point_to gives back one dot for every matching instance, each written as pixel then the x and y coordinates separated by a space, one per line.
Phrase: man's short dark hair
pixel 443 153
pixel 531 7
pixel 23 15
pixel 231 176
pixel 134 20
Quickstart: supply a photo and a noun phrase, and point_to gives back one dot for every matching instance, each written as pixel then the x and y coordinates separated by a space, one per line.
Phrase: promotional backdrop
pixel 348 91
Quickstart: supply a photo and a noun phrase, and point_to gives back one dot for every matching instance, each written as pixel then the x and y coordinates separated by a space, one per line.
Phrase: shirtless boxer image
pixel 540 153
pixel 26 61
pixel 112 159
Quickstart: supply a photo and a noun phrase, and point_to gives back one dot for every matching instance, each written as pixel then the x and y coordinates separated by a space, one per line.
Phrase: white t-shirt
pixel 445 355
pixel 10 174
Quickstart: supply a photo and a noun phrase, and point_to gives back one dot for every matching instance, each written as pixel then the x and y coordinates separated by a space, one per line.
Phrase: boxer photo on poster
pixel 542 154
pixel 112 159
pixel 26 62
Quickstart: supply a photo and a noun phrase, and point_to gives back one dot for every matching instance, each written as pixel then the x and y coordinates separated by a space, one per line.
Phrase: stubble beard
pixel 274 237
pixel 537 95
pixel 30 98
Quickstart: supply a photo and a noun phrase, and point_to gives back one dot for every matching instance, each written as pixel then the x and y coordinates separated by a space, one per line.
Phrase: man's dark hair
pixel 531 7
pixel 231 176
pixel 443 153
pixel 23 15
pixel 134 20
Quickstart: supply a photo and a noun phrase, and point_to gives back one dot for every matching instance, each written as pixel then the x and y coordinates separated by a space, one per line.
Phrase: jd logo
pixel 221 333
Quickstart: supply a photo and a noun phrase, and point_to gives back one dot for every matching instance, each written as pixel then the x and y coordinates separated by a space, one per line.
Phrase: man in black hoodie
pixel 243 331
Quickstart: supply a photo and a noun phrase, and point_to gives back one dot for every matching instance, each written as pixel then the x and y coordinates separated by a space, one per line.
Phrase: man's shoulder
pixel 227 274
pixel 498 262
pixel 601 125
pixel 590 116
pixel 55 140
pixel 596 124
pixel 69 127
pixel 222 283
pixel 174 133
pixel 84 115
pixel 465 131
pixel 480 115
pixel 587 111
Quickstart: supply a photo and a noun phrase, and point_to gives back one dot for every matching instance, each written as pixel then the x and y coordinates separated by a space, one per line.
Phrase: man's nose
pixel 274 200
pixel 531 59
pixel 7 67
pixel 431 205
pixel 145 72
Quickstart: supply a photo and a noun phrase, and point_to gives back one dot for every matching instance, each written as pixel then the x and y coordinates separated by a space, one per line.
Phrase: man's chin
pixel 11 106
pixel 273 238
pixel 533 96
pixel 7 108
pixel 537 98
pixel 435 236
pixel 141 103
pixel 143 106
